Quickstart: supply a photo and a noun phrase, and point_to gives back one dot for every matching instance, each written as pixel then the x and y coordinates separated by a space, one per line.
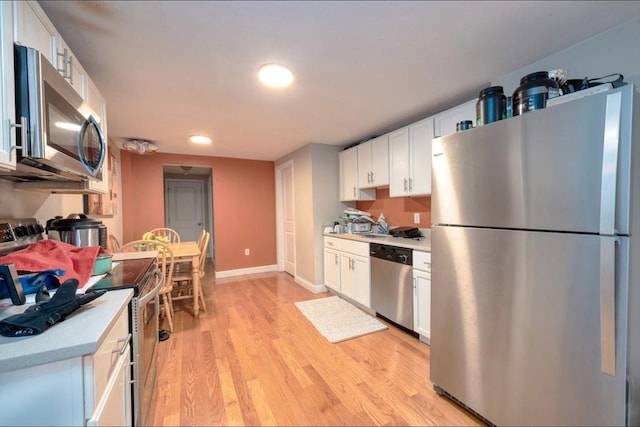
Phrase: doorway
pixel 188 202
pixel 285 218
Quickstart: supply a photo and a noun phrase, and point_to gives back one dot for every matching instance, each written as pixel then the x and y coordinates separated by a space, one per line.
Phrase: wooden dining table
pixel 188 251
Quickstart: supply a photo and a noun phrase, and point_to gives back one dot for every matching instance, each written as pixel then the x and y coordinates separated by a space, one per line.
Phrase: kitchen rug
pixel 337 320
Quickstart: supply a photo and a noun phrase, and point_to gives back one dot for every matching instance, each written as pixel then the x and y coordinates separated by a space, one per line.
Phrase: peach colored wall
pixel 243 204
pixel 398 210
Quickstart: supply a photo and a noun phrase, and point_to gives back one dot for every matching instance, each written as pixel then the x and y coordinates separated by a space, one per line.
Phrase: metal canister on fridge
pixel 491 105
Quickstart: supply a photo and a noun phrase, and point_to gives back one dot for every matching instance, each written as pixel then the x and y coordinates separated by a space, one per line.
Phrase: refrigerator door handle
pixel 610 164
pixel 607 305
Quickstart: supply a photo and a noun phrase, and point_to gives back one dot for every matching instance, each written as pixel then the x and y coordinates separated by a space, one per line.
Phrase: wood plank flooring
pixel 253 359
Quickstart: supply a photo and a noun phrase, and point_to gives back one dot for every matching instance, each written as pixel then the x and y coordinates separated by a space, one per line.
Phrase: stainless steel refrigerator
pixel 536 265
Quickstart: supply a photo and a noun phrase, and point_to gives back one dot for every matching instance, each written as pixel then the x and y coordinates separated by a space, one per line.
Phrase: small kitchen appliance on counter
pixel 405 232
pixel 78 230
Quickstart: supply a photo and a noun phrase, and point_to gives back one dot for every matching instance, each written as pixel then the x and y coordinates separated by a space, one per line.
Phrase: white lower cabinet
pixel 92 390
pixel 422 295
pixel 347 269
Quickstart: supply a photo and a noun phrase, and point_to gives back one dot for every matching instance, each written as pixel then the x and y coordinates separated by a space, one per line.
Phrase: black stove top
pixel 129 274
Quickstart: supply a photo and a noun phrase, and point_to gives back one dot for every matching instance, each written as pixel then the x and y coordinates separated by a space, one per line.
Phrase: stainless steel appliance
pixel 392 283
pixel 536 265
pixel 143 276
pixel 60 137
pixel 78 230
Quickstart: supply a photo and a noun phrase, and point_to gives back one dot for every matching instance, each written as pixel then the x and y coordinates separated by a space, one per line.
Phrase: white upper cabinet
pixel 32 28
pixel 445 123
pixel 69 68
pixel 7 94
pixel 373 163
pixel 349 189
pixel 410 160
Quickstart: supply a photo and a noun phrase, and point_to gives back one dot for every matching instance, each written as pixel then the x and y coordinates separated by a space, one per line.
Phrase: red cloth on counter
pixel 50 254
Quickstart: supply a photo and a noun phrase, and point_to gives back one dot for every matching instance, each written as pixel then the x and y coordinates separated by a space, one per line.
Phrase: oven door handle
pixel 151 295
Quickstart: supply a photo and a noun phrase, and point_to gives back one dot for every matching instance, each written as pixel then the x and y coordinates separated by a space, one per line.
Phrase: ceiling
pixel 169 69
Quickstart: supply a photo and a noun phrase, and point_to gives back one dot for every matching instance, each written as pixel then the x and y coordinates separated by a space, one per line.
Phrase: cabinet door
pixel 445 122
pixel 97 105
pixel 32 28
pixel 332 269
pixel 362 280
pixel 365 166
pixel 70 68
pixel 380 161
pixel 7 106
pixel 114 408
pixel 422 303
pixel 349 174
pixel 399 163
pixel 420 135
pixel 350 190
pixel 347 274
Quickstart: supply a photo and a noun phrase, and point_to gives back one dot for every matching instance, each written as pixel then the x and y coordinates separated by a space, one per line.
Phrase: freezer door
pixel 516 326
pixel 563 168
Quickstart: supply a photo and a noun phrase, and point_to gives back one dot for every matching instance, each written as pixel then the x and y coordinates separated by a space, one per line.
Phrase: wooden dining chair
pixel 183 279
pixel 114 244
pixel 165 264
pixel 169 233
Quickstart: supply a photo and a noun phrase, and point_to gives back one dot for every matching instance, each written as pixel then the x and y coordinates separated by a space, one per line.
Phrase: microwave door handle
pixel 90 121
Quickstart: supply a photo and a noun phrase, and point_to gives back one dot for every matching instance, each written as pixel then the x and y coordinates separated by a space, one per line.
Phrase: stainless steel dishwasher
pixel 392 283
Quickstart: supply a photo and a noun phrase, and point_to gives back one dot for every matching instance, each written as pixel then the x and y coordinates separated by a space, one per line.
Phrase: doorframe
pixel 280 218
pixel 207 204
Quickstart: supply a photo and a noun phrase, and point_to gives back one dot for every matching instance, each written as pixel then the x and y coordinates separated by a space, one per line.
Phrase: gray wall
pixel 614 51
pixel 316 200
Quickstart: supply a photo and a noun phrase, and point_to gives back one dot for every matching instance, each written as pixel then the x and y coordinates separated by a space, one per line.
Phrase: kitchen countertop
pixel 79 334
pixel 419 244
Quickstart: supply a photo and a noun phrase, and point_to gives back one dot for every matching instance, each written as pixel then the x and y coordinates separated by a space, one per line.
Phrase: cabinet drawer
pixel 332 242
pixel 100 365
pixel 356 248
pixel 422 261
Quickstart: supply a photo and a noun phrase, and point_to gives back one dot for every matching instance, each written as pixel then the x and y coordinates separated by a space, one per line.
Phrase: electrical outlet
pixel 416 218
pixel 247 251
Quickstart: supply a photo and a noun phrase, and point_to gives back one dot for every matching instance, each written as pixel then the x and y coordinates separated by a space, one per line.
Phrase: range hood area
pixel 24 178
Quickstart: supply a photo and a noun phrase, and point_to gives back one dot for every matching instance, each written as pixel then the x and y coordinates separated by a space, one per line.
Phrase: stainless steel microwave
pixel 59 138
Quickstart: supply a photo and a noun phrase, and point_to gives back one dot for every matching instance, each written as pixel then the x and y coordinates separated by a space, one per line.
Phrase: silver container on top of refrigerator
pixel 536 265
pixel 78 230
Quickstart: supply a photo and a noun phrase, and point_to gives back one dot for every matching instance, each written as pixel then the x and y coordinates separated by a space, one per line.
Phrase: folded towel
pixel 76 262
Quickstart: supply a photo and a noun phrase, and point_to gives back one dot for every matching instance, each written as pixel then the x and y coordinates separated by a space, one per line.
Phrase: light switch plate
pixel 416 218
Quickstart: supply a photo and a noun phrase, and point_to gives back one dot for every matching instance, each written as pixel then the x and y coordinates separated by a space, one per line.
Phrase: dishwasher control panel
pixel 391 253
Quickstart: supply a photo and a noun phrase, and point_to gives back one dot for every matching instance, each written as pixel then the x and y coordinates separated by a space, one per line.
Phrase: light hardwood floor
pixel 253 359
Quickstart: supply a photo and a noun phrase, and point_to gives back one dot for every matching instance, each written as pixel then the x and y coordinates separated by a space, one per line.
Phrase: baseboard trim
pixel 242 271
pixel 316 289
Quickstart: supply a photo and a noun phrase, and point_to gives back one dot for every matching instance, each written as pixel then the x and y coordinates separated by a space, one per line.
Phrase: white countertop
pixel 419 244
pixel 79 334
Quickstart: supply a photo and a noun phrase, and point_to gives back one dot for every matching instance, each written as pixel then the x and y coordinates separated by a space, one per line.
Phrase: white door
pixel 289 220
pixel 185 207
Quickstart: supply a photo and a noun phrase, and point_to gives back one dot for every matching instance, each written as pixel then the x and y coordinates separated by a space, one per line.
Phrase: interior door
pixel 289 221
pixel 185 207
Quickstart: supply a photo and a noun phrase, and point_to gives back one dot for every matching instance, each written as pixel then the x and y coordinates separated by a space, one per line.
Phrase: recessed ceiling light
pixel 199 139
pixel 275 75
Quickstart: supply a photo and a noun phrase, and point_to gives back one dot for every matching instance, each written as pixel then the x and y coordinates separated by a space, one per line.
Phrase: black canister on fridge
pixel 491 105
pixel 534 91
